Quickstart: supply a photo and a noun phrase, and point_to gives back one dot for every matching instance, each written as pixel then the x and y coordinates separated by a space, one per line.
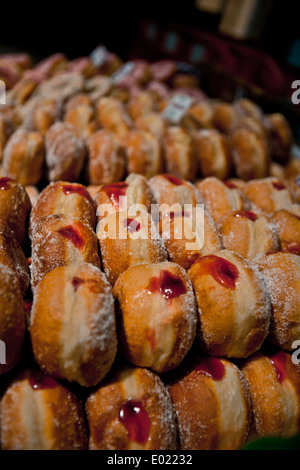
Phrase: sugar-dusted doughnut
pixel 143 153
pixel 213 155
pixel 287 222
pixel 169 190
pixel 179 154
pixel 268 194
pixel 113 116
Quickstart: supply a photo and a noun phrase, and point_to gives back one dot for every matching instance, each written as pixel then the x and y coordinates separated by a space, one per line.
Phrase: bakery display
pixel 149 261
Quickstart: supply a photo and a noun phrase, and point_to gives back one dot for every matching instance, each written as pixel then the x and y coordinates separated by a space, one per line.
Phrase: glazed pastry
pixel 153 123
pixel 189 234
pixel 12 319
pixel 212 405
pixel 249 234
pixel 281 272
pixel 23 157
pixel 231 324
pixel 274 384
pixel 14 207
pixel 106 161
pixel 73 335
pixel 268 195
pixel 113 117
pixel 179 155
pixel 213 154
pixel 126 239
pixel 140 415
pixel 220 198
pixel 224 117
pixel 169 190
pixel 60 197
pixel 65 152
pixel 280 137
pixel 287 222
pixel 143 153
pixel 38 413
pixel 156 315
pixel 59 241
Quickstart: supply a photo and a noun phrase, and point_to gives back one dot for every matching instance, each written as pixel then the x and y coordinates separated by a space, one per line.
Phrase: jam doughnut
pixel 249 234
pixel 153 123
pixel 179 154
pixel 6 129
pixel 59 241
pixel 143 153
pixel 250 153
pixel 220 198
pixel 14 207
pixel 106 161
pixel 287 222
pixel 12 256
pixel 113 117
pixel 280 137
pixel 65 152
pixel 74 335
pixel 126 239
pixel 38 413
pixel 189 234
pixel 12 318
pixel 268 195
pixel 169 190
pixel 82 117
pixel 212 406
pixel 212 150
pixel 224 117
pixel 231 324
pixel 23 157
pixel 281 272
pixel 157 315
pixel 60 197
pixel 140 415
pixel 274 384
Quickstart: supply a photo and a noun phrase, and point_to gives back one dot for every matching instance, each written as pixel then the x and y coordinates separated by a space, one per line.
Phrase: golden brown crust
pixel 268 195
pixel 287 222
pixel 143 153
pixel 212 150
pixel 179 155
pixel 112 116
pixel 225 115
pixel 83 118
pixel 170 190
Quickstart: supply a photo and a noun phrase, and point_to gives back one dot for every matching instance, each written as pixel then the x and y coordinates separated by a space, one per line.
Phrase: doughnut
pixel 73 335
pixel 213 155
pixel 251 124
pixel 42 114
pixel 60 197
pixel 23 157
pixel 113 117
pixel 179 153
pixel 224 116
pixel 274 384
pixel 12 256
pixel 82 117
pixel 249 234
pixel 287 222
pixel 98 87
pixel 268 194
pixel 6 129
pixel 231 324
pixel 211 402
pixel 126 239
pixel 169 190
pixel 12 319
pixel 80 99
pixel 140 104
pixel 61 86
pixel 156 315
pixel 65 152
pixel 59 241
pixel 106 158
pixel 38 413
pixel 153 123
pixel 143 153
pixel 140 414
pixel 201 114
pixel 281 272
pixel 189 234
pixel 14 207
pixel 280 137
pixel 248 108
pixel 220 198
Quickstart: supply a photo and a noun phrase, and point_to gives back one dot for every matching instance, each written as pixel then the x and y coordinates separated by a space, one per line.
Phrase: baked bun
pixel 157 315
pixel 38 413
pixel 281 272
pixel 143 153
pixel 212 405
pixel 213 155
pixel 73 334
pixel 113 116
pixel 231 324
pixel 179 153
pixel 140 415
pixel 169 190
pixel 60 241
pixel 274 384
pixel 287 222
pixel 153 123
pixel 83 118
pixel 268 195
pixel 225 115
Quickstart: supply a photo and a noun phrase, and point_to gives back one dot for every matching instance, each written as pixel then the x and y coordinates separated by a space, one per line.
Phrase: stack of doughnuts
pixel 149 263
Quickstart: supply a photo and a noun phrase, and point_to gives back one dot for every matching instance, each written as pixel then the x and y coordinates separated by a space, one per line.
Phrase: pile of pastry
pixel 125 327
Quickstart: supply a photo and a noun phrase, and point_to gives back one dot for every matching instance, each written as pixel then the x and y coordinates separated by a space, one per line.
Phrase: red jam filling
pixel 278 361
pixel 173 215
pixel 76 281
pixel 229 184
pixel 224 272
pixel 28 307
pixel 247 215
pixel 136 420
pixel 40 381
pixel 114 191
pixel 75 189
pixel 167 284
pixel 5 183
pixel 212 367
pixel 278 185
pixel 132 225
pixel 71 234
pixel 294 248
pixel 173 180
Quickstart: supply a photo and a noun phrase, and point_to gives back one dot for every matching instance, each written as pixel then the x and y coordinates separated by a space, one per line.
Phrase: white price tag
pixel 177 107
pixel 125 70
pixel 99 56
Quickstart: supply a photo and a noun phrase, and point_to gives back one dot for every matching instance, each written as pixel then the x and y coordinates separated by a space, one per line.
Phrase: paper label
pixel 99 56
pixel 177 107
pixel 123 72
